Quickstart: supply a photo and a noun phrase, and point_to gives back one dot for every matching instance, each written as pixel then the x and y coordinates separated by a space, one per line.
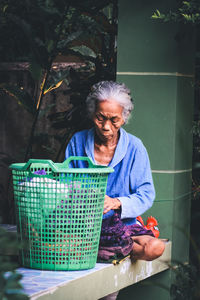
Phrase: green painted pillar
pixel 156 60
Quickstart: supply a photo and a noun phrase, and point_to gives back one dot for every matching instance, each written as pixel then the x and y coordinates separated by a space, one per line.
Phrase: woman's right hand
pixel 111 203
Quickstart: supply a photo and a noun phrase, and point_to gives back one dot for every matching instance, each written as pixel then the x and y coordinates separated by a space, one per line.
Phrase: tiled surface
pixel 9 228
pixel 35 282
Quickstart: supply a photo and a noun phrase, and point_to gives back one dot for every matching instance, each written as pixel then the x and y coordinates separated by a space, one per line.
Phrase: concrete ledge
pixel 90 284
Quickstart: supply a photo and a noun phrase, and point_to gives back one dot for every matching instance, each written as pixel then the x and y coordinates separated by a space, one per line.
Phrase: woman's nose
pixel 106 125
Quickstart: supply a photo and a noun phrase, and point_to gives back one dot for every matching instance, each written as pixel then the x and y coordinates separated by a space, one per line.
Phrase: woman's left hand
pixel 111 203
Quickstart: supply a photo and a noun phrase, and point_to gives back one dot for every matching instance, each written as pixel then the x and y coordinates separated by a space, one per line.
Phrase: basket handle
pixel 42 161
pixel 83 158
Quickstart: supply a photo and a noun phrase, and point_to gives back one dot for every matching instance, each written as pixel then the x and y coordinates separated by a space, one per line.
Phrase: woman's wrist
pixel 118 203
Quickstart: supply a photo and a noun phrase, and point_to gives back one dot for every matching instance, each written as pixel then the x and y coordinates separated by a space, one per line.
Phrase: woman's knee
pixel 154 248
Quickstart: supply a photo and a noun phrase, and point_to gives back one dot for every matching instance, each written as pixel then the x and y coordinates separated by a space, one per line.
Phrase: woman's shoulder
pixel 136 146
pixel 134 141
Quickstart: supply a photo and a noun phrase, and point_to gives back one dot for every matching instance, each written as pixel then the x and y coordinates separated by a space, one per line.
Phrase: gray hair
pixel 110 90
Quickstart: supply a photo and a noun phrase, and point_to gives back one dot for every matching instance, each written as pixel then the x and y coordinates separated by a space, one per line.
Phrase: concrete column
pixel 156 61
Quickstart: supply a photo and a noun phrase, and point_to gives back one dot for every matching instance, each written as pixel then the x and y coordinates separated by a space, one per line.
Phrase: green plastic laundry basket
pixel 59 213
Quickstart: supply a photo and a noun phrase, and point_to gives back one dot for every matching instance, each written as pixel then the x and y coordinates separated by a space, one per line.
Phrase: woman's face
pixel 108 119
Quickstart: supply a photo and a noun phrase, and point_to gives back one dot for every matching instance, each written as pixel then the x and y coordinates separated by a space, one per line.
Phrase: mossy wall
pixel 156 61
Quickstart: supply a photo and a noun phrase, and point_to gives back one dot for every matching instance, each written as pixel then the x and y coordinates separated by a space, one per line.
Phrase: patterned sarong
pixel 115 240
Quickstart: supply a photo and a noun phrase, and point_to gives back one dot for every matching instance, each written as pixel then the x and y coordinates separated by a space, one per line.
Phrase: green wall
pixel 155 60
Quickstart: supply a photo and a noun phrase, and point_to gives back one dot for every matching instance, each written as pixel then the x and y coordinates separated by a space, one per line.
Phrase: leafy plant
pixel 10 286
pixel 55 29
pixel 187 12
pixel 44 33
pixel 186 285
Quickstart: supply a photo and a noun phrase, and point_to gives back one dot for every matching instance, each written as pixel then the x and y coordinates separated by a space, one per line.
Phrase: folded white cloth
pixel 41 193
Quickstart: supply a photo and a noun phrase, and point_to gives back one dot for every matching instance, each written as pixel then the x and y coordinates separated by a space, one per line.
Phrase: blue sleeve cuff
pixel 132 206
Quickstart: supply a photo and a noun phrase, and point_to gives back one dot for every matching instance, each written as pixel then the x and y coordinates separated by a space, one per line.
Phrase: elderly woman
pixel 130 190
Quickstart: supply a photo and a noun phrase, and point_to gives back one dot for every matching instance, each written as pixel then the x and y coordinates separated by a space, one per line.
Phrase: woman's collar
pixel 89 147
pixel 120 150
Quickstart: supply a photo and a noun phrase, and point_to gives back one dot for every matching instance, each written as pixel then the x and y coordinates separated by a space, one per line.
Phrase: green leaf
pixel 53 87
pixel 104 22
pixel 157 15
pixel 50 46
pixel 84 51
pixel 4 8
pixel 187 17
pixel 90 5
pixel 23 98
pixel 71 37
pixel 11 280
pixel 12 288
pixel 55 80
pixel 186 3
pixel 36 70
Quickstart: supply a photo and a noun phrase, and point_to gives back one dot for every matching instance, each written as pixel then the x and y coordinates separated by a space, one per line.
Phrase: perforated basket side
pixel 59 217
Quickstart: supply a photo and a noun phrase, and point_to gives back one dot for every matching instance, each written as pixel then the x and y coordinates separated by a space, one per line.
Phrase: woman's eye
pixel 114 120
pixel 99 118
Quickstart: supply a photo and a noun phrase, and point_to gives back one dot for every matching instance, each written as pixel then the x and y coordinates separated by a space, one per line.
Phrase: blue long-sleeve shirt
pixel 131 182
